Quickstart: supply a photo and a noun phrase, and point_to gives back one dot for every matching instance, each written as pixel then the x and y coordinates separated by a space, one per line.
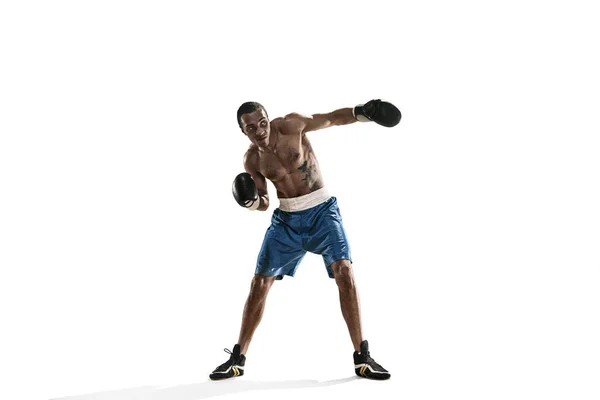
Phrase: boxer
pixel 307 220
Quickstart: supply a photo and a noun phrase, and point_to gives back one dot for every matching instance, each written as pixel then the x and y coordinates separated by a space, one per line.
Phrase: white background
pixel 474 224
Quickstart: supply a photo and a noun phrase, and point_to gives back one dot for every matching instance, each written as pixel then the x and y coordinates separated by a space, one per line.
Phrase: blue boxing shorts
pixel 309 223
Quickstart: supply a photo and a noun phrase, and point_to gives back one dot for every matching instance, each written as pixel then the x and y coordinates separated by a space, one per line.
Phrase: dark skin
pixel 281 152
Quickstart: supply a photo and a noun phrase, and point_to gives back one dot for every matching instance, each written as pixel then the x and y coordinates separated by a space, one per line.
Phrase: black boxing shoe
pixel 232 367
pixel 366 367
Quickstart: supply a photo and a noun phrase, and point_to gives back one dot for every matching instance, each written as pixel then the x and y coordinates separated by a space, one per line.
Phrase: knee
pixel 342 271
pixel 260 285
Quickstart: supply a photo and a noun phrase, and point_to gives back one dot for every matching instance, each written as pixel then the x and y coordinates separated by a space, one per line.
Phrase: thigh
pixel 281 250
pixel 328 238
pixel 326 230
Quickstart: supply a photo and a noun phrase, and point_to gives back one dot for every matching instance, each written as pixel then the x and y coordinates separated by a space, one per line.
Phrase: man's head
pixel 254 122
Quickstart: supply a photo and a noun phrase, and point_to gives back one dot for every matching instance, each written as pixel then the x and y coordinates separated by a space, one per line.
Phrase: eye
pixel 250 129
pixel 263 123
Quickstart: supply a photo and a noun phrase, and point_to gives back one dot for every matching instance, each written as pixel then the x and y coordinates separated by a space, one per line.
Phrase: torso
pixel 292 165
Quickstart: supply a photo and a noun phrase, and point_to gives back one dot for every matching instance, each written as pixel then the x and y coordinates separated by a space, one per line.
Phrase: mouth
pixel 261 138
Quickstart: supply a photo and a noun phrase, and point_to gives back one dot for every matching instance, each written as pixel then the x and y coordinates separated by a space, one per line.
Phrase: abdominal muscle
pixel 298 184
pixel 297 173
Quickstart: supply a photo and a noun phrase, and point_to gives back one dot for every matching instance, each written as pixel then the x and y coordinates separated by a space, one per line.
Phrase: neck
pixel 273 139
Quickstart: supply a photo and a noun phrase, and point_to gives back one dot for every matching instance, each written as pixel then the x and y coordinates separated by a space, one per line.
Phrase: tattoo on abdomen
pixel 308 171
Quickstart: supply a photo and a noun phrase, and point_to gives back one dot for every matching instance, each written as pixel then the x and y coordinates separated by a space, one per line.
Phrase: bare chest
pixel 286 159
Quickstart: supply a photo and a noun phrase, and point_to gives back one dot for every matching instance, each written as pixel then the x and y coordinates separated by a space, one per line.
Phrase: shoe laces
pixel 231 359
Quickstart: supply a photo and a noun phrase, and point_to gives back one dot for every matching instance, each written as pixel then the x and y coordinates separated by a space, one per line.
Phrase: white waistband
pixel 304 202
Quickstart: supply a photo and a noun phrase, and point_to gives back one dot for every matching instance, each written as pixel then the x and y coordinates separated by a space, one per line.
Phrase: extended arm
pixel 304 123
pixel 381 112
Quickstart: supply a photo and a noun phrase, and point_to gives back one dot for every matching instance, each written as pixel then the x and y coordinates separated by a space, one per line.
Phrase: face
pixel 257 127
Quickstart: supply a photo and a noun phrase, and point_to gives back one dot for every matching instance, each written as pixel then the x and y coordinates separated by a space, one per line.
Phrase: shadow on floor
pixel 203 390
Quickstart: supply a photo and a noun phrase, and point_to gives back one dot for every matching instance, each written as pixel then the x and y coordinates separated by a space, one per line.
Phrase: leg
pixel 255 305
pixel 364 365
pixel 280 253
pixel 349 300
pixel 254 308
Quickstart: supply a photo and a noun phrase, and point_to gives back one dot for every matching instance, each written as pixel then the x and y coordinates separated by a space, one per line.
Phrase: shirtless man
pixel 308 218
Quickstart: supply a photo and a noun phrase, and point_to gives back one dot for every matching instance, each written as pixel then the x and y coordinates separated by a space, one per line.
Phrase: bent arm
pixel 251 167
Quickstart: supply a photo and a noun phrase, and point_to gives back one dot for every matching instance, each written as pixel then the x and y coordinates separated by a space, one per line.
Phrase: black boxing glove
pixel 245 192
pixel 381 112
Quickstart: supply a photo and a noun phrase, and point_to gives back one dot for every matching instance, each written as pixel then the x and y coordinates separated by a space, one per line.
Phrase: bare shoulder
pixel 251 158
pixel 295 115
pixel 296 118
pixel 292 123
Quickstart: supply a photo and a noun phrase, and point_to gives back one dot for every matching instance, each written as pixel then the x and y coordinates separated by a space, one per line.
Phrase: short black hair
pixel 247 108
